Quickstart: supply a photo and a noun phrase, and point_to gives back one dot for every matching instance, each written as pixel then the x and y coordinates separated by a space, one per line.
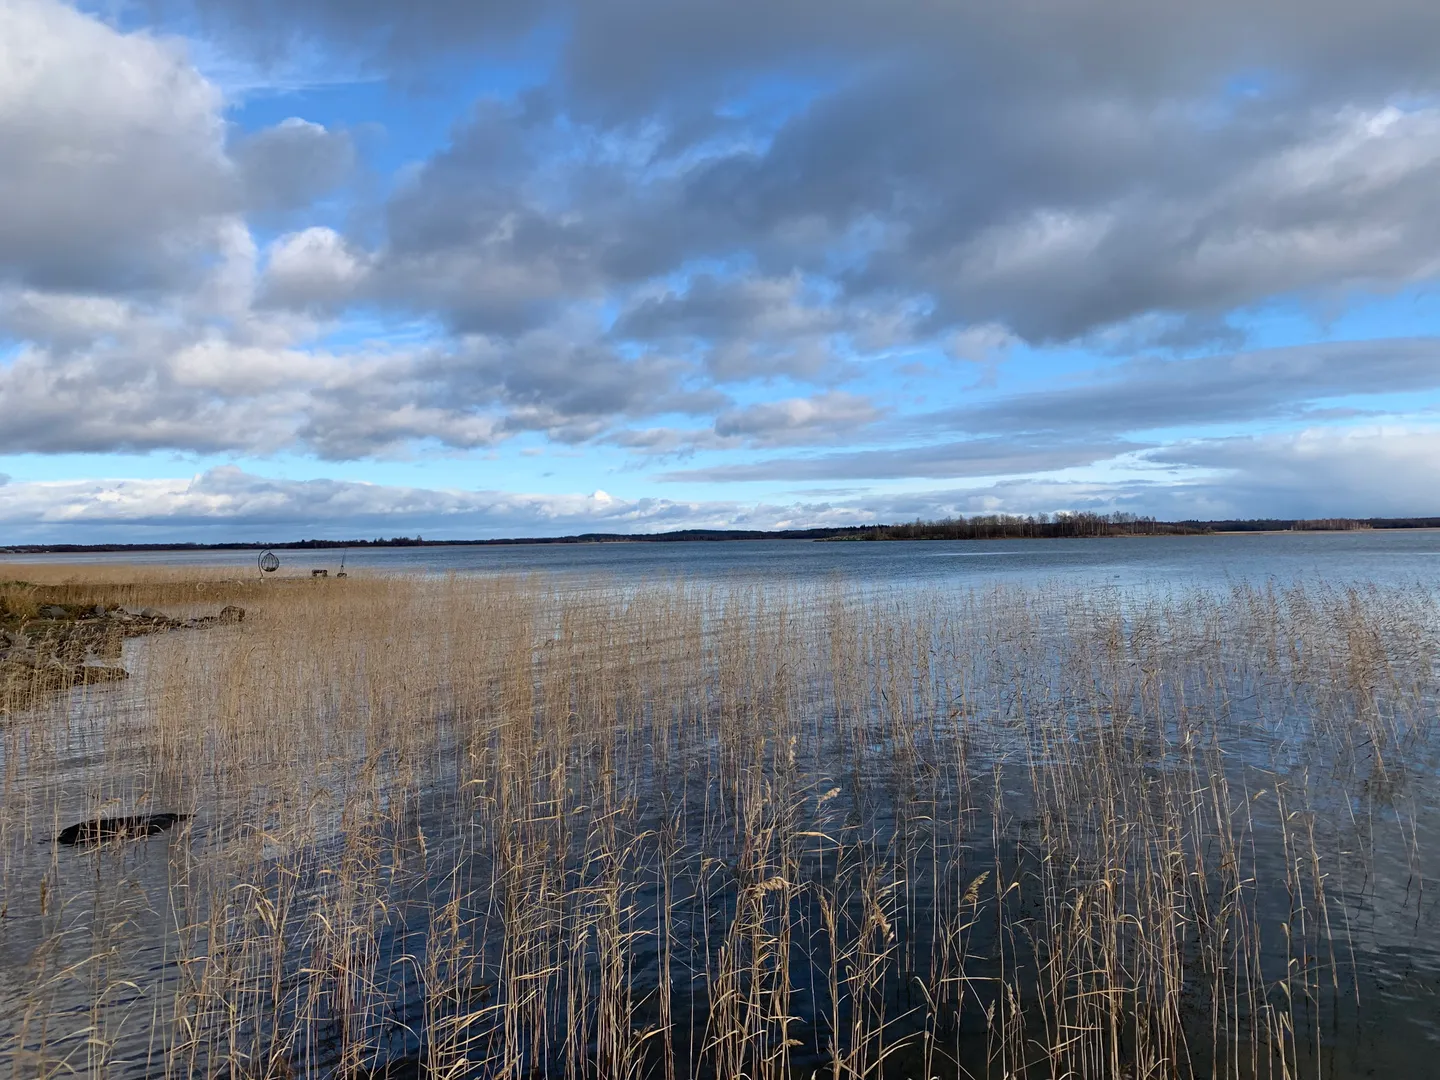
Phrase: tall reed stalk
pixel 509 827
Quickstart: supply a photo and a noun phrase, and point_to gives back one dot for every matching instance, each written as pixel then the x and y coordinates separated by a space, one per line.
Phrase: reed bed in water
pixel 504 828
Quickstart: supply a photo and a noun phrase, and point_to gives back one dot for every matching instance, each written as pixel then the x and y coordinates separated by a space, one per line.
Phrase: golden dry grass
pixel 505 829
pixel 138 585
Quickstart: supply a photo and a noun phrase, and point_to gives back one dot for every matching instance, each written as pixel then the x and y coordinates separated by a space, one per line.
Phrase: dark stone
pixel 53 611
pixel 118 828
pixel 232 614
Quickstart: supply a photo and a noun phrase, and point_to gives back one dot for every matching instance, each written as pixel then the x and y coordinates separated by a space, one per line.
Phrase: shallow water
pixel 1383 557
pixel 939 779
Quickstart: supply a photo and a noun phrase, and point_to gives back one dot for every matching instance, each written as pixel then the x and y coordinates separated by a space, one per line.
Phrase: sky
pixel 276 269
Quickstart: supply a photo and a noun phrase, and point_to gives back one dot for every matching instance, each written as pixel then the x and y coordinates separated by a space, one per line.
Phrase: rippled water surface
pixel 1378 556
pixel 914 831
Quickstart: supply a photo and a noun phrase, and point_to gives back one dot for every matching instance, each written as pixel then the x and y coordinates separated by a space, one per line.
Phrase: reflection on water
pixel 751 832
pixel 1385 557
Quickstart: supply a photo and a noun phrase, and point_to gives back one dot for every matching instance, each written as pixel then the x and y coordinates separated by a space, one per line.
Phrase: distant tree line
pixel 1316 524
pixel 1079 524
pixel 1029 526
pixel 683 535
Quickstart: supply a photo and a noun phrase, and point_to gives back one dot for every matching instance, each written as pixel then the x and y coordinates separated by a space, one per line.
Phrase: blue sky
pixel 498 268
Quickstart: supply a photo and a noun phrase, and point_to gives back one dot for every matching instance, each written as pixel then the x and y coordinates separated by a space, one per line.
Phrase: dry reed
pixel 495 827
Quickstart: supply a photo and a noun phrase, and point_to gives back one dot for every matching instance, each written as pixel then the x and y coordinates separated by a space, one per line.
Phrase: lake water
pixel 1381 557
pixel 1210 721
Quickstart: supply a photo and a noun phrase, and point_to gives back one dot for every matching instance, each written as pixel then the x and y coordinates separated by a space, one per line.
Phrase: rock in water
pixel 117 828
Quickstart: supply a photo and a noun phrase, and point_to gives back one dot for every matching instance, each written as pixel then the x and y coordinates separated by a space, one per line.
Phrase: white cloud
pixel 229 497
pixel 1372 471
pixel 114 173
pixel 227 502
pixel 313 267
pixel 1317 473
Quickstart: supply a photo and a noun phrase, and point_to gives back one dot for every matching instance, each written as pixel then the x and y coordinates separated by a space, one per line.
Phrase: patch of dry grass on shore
pixel 492 827
pixel 139 585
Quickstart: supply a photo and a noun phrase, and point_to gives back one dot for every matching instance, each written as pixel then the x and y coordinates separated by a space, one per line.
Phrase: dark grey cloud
pixel 1152 393
pixel 526 214
pixel 475 236
pixel 992 456
pixel 831 417
pixel 1179 162
pixel 743 328
pixel 632 52
pixel 1058 217
pixel 123 377
pixel 559 383
pixel 288 166
pixel 712 307
pixel 384 34
pixel 828 417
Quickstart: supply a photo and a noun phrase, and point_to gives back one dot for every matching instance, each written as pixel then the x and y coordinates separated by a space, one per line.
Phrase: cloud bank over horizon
pixel 322 268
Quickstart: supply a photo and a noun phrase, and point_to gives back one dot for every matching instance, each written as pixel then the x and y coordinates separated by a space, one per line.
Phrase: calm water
pixel 1383 558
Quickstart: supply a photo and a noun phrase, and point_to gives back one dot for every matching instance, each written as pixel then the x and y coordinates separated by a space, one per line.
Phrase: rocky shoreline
pixel 66 645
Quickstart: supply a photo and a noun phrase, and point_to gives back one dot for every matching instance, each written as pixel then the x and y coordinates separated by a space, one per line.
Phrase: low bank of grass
pixel 26 587
pixel 63 627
